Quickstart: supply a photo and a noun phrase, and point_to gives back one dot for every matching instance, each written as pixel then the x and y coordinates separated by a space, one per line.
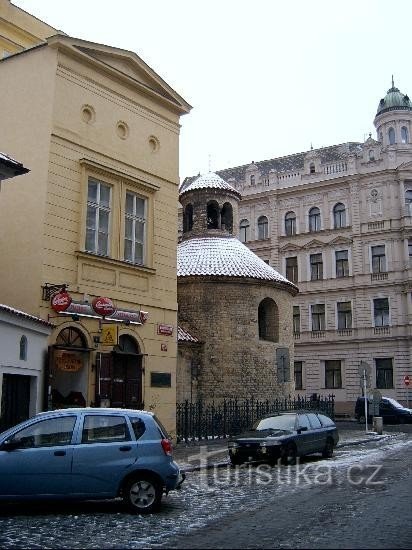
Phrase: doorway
pixel 15 400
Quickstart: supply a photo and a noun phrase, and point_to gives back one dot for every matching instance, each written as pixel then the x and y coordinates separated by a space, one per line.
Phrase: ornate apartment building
pixel 337 221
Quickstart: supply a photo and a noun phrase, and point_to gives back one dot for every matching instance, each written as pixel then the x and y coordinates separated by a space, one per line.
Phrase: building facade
pixel 89 241
pixel 337 221
pixel 235 311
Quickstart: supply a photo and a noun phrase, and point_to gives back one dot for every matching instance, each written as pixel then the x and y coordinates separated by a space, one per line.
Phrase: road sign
pixel 364 366
pixel 406 380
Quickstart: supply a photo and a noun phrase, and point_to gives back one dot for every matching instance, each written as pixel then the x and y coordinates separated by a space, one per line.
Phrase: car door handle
pixel 125 448
pixel 59 453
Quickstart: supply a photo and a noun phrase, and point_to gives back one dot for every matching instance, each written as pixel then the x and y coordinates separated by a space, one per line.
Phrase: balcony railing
pixel 344 332
pixel 382 330
pixel 376 225
pixel 296 335
pixel 379 276
pixel 317 334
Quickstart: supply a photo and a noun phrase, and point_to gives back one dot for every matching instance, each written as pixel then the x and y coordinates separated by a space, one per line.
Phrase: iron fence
pixel 196 421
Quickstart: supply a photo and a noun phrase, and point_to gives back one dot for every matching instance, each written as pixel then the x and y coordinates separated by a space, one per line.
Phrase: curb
pixel 339 445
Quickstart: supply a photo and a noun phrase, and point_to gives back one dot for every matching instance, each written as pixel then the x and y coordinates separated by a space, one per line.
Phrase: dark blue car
pixel 90 453
pixel 284 437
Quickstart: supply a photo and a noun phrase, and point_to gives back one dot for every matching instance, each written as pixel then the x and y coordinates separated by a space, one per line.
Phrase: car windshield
pixel 394 403
pixel 283 422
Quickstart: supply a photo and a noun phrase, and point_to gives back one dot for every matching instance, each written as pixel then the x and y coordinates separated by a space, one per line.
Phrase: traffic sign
pixel 406 380
pixel 364 366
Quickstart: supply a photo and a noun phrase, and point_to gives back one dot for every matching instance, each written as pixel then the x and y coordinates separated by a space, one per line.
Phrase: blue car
pixel 89 453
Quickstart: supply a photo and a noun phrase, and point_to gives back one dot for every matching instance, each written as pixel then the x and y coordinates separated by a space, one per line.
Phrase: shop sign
pixel 103 306
pixel 165 330
pixel 84 309
pixel 61 301
pixel 108 335
pixel 69 361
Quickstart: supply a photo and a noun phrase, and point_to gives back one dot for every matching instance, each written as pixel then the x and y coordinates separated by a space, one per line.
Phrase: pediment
pixel 314 243
pixel 340 240
pixel 126 64
pixel 289 247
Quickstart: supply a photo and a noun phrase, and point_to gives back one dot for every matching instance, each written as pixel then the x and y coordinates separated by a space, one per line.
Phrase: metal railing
pixel 198 420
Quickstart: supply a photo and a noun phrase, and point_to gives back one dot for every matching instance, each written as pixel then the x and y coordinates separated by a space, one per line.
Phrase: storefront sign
pixel 84 309
pixel 165 330
pixel 109 335
pixel 69 361
pixel 61 301
pixel 103 306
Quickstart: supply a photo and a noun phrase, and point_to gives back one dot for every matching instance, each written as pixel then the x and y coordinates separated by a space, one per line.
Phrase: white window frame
pixel 348 250
pixel 372 305
pixel 320 218
pixel 99 208
pixel 337 316
pixel 381 243
pixel 135 219
pixel 264 225
pixel 332 215
pixel 310 316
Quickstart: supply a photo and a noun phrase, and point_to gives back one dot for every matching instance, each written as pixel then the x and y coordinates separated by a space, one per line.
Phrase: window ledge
pixel 112 261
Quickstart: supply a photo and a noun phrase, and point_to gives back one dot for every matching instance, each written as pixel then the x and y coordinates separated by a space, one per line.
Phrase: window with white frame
pixel 298 375
pixel 263 228
pixel 391 136
pixel 344 311
pixel 404 135
pixel 244 231
pixel 290 224
pixel 384 373
pixel 339 215
pixel 378 259
pixel 342 263
pixel 381 312
pixel 314 220
pixel 98 217
pixel 318 317
pixel 296 319
pixel 333 374
pixel 292 269
pixel 316 267
pixel 408 201
pixel 134 228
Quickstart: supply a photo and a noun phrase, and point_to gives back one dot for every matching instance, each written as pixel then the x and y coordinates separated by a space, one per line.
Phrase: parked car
pixel 390 410
pixel 89 453
pixel 285 436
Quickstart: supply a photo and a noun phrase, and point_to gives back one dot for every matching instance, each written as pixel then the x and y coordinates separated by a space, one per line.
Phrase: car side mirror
pixel 10 445
pixel 302 429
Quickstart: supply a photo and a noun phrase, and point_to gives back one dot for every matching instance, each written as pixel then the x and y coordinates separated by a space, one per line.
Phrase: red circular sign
pixel 103 306
pixel 406 380
pixel 61 301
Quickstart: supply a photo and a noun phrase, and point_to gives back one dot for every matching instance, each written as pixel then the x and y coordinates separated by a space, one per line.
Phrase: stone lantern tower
pixel 237 306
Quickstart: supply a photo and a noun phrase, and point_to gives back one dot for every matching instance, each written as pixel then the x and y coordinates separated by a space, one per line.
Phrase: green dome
pixel 394 101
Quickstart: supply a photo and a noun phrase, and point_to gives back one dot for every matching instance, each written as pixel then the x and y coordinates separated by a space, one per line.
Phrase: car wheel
pixel 328 450
pixel 143 494
pixel 289 455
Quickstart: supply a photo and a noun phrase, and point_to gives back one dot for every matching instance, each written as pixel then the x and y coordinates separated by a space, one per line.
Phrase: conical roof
pixel 209 181
pixel 224 256
pixel 393 101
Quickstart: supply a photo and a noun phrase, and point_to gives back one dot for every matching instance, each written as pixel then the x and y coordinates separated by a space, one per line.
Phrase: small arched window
pixel 391 136
pixel 23 348
pixel 226 216
pixel 268 320
pixel 371 154
pixel 188 218
pixel 244 231
pixel 404 135
pixel 263 228
pixel 312 168
pixel 290 223
pixel 339 215
pixel 252 180
pixel 213 215
pixel 314 219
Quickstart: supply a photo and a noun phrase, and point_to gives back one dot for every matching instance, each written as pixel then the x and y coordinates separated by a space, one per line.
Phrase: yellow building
pixel 19 30
pixel 89 237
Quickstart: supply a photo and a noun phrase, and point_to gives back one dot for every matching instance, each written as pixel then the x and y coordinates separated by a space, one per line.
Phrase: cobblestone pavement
pixel 208 499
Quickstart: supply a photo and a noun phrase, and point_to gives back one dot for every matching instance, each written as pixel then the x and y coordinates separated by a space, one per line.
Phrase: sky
pixel 265 78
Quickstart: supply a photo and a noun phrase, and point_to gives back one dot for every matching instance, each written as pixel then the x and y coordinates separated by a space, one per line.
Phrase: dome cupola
pixel 393 121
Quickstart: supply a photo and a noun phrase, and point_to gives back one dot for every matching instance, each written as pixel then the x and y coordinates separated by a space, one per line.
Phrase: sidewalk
pixel 213 453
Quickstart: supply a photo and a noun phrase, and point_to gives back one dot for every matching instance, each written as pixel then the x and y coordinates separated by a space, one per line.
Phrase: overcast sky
pixel 266 78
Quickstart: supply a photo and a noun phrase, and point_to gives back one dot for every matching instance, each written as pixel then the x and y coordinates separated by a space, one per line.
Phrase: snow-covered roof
pixel 209 181
pixel 185 336
pixel 24 315
pixel 224 256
